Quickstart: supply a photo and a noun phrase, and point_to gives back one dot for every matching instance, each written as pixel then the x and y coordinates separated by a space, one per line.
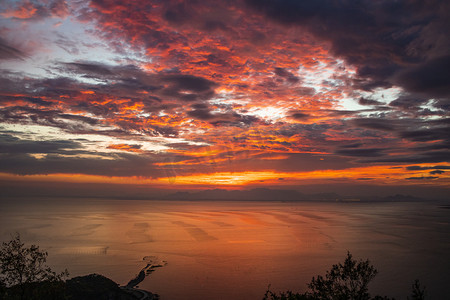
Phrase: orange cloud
pixel 25 11
pixel 125 147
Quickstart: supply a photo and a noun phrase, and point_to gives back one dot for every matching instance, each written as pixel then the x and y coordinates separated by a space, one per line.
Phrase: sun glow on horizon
pixel 374 174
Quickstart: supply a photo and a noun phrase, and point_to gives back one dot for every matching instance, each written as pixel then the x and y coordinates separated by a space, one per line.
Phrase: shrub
pixel 346 281
pixel 21 267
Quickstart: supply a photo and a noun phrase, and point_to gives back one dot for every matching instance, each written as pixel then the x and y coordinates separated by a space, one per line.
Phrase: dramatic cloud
pixel 35 10
pixel 10 144
pixel 191 93
pixel 411 50
pixel 9 52
pixel 360 152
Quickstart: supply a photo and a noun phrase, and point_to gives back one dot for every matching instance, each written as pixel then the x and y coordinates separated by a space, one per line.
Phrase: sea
pixel 237 249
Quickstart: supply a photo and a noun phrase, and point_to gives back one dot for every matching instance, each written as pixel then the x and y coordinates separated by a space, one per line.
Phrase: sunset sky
pixel 186 94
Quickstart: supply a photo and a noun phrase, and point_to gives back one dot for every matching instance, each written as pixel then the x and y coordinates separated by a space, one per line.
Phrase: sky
pixel 187 94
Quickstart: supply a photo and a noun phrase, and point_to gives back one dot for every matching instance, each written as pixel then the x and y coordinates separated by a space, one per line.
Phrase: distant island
pixel 265 194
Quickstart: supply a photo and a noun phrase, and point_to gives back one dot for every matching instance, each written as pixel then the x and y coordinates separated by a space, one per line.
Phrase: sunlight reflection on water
pixel 223 250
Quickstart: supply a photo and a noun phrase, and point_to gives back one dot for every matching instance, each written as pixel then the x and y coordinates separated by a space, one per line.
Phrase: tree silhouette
pixel 346 281
pixel 21 265
pixel 418 292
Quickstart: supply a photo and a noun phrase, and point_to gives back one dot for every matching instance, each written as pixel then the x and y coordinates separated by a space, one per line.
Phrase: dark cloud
pixel 422 178
pixel 297 115
pixel 204 112
pixel 374 123
pixel 419 168
pixel 408 102
pixel 48 117
pixel 50 97
pixel 338 113
pixel 353 145
pixel 89 68
pixel 201 112
pixel 151 92
pixel 36 10
pixel 156 130
pixel 430 78
pixel 130 125
pixel 67 44
pixel 84 119
pixel 9 52
pixel 55 87
pixel 442 104
pixel 12 98
pixel 306 91
pixel 411 50
pixel 372 152
pixel 121 165
pixel 415 158
pixel 316 131
pixel 434 172
pixel 191 13
pixel 440 122
pixel 188 87
pixel 365 101
pixel 281 72
pixel 142 31
pixel 178 14
pixel 14 145
pixel 66 157
pixel 427 135
pixel 416 130
pixel 130 81
pixel 59 8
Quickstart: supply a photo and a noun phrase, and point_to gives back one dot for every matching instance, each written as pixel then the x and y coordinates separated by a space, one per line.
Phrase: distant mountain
pixel 260 194
pixel 265 194
pixel 402 198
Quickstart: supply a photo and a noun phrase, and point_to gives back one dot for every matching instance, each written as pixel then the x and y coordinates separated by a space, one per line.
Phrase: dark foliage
pixel 418 292
pixel 89 287
pixel 20 264
pixel 24 275
pixel 347 281
pixel 22 269
pixel 51 290
pixel 288 295
pixel 94 287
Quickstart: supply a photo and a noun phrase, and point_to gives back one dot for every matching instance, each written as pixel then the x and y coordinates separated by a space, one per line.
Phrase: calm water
pixel 234 250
